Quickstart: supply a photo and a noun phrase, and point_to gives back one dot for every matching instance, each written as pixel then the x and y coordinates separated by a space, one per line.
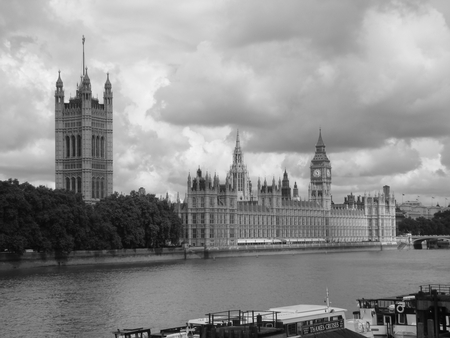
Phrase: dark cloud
pixel 328 26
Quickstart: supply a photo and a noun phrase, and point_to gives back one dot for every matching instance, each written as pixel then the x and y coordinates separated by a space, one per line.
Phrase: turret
pixel 59 93
pixel 295 191
pixel 107 94
pixel 285 188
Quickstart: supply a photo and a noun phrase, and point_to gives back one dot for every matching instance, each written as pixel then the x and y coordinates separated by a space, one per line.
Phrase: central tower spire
pixel 238 158
pixel 238 174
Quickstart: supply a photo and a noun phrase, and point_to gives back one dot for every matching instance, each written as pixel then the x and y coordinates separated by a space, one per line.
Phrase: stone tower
pixel 238 174
pixel 320 169
pixel 84 140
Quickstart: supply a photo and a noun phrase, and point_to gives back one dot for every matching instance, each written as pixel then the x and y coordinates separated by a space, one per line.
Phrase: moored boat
pixel 389 316
pixel 319 321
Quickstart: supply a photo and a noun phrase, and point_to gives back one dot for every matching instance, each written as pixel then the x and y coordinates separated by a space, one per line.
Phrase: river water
pixel 92 301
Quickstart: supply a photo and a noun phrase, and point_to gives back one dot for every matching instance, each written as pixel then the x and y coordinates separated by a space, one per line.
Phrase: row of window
pixel 220 218
pixel 98 166
pixel 239 178
pixel 72 165
pixel 74 147
pixel 257 233
pixel 98 186
pixel 98 113
pixel 199 202
pixel 72 124
pixel 72 112
pixel 221 233
pixel 98 125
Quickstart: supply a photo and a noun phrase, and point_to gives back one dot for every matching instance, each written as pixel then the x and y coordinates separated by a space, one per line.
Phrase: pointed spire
pixel 107 83
pixel 320 141
pixel 59 82
pixel 237 154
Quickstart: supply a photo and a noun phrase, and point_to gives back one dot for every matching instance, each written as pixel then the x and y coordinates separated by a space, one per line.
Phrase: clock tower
pixel 320 186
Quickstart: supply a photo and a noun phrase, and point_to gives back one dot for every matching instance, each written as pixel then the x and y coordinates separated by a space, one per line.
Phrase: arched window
pixel 102 187
pixel 79 184
pixel 73 145
pixel 93 187
pixel 67 146
pixel 73 184
pixel 102 147
pixel 97 145
pixel 97 190
pixel 67 183
pixel 93 147
pixel 79 145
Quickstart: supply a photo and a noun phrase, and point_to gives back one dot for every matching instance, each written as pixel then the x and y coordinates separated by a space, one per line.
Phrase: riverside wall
pixel 28 260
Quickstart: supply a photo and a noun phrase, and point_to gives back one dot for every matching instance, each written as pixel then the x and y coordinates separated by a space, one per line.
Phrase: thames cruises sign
pixel 322 327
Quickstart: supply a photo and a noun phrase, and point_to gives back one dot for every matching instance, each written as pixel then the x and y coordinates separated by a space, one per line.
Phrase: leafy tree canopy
pixel 439 225
pixel 47 220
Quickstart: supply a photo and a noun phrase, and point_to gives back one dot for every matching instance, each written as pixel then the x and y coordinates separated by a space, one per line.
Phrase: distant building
pixel 84 140
pixel 231 213
pixel 415 209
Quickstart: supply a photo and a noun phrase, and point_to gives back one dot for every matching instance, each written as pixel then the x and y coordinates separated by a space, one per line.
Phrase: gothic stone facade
pixel 216 215
pixel 84 141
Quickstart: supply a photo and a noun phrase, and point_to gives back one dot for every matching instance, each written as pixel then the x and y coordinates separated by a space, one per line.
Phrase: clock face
pixel 316 173
pixel 328 173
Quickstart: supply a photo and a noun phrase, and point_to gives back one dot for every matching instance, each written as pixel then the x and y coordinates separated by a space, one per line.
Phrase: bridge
pixel 435 241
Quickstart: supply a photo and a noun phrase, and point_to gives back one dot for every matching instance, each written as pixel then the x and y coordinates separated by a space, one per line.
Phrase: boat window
pixel 401 318
pixel 336 318
pixel 379 319
pixel 387 320
pixel 291 329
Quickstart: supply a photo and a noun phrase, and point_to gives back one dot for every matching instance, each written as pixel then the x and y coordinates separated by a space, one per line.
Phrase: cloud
pixel 374 76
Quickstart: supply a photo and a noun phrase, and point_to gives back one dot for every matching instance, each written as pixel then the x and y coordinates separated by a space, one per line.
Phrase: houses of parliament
pixel 215 213
pixel 230 213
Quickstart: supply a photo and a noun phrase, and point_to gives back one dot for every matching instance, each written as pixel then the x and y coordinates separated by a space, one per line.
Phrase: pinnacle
pixel 320 141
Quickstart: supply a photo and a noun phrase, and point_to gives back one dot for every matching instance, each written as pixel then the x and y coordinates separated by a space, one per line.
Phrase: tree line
pixel 438 225
pixel 47 220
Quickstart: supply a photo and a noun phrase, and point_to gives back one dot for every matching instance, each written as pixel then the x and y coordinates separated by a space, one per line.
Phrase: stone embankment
pixel 27 260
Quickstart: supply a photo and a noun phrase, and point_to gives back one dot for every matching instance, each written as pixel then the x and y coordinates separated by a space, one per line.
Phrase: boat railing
pixel 439 288
pixel 238 317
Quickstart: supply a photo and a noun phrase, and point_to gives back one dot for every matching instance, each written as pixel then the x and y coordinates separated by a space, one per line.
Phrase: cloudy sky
pixel 373 75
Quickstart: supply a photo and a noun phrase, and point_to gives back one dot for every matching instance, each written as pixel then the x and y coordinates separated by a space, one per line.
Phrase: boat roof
pixel 304 311
pixel 284 314
pixel 306 308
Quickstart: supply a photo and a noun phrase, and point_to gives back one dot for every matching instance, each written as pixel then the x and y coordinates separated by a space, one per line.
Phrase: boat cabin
pixel 132 333
pixel 390 316
pixel 289 321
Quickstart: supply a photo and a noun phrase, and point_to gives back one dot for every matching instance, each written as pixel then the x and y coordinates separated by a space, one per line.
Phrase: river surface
pixel 92 301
